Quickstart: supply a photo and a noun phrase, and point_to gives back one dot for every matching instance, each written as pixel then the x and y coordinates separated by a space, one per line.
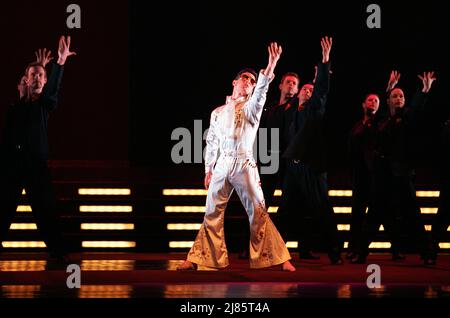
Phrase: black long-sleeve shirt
pixel 304 134
pixel 396 138
pixel 27 121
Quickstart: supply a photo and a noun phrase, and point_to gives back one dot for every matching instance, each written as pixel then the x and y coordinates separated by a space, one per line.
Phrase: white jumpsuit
pixel 229 156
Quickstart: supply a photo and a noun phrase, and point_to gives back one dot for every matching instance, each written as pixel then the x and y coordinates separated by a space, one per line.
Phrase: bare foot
pixel 288 267
pixel 187 266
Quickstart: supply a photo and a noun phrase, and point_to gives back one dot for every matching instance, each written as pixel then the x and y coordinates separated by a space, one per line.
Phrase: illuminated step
pixel 23 208
pixel 23 244
pixel 343 227
pixel 104 191
pixel 340 193
pixel 272 209
pixel 22 265
pixel 292 244
pixel 428 210
pixel 380 245
pixel 21 291
pixel 107 226
pixel 428 194
pixel 185 209
pixel 185 192
pixel 183 226
pixel 105 291
pixel 23 226
pixel 342 209
pixel 444 245
pixel 108 244
pixel 106 208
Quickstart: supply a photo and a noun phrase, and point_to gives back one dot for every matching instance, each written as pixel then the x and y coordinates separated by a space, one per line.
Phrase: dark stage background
pixel 143 69
pixel 184 57
pixel 91 122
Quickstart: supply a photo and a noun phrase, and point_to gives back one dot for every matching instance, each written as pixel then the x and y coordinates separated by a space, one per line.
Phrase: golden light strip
pixel 106 208
pixel 444 245
pixel 23 208
pixel 105 291
pixel 107 226
pixel 22 265
pixel 272 209
pixel 343 227
pixel 23 226
pixel 185 192
pixel 20 291
pixel 278 193
pixel 24 192
pixel 107 265
pixel 23 244
pixel 342 209
pixel 183 226
pixel 380 245
pixel 104 191
pixel 108 244
pixel 428 210
pixel 181 244
pixel 185 209
pixel 340 193
pixel 428 194
pixel 292 244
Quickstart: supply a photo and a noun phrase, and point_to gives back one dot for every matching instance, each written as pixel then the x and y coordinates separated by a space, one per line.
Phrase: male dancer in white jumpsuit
pixel 231 136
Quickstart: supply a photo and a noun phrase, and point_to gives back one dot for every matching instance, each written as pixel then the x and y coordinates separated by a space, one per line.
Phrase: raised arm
pixel 43 56
pixel 275 51
pixel 427 80
pixel 393 80
pixel 253 108
pixel 64 50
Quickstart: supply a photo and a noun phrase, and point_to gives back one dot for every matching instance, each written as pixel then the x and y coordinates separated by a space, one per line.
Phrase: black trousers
pixel 393 204
pixel 306 209
pixel 361 184
pixel 18 172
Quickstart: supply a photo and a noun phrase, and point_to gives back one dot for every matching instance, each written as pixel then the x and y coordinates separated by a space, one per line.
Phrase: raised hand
pixel 393 80
pixel 43 56
pixel 326 44
pixel 427 80
pixel 64 50
pixel 275 51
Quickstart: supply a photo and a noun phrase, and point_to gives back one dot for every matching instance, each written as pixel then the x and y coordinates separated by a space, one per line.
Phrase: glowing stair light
pixel 23 208
pixel 342 209
pixel 104 191
pixel 107 226
pixel 181 244
pixel 428 194
pixel 340 193
pixel 106 208
pixel 183 226
pixel 108 244
pixel 23 226
pixel 23 244
pixel 185 209
pixel 201 192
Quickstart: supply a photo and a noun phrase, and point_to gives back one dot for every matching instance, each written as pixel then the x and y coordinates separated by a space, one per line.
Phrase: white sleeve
pixel 253 108
pixel 212 144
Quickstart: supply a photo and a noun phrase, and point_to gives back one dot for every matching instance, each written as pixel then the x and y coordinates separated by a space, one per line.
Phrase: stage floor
pixel 146 275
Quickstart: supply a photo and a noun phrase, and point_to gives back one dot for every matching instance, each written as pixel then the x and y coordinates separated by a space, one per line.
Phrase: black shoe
pixel 308 255
pixel 398 257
